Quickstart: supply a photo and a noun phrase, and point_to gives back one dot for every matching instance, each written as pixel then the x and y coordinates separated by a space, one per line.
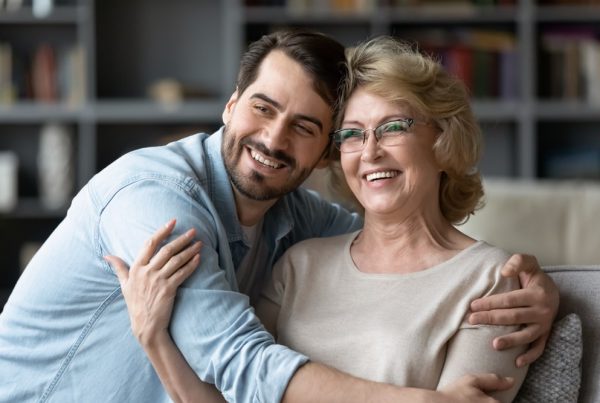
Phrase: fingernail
pixel 190 233
pixel 170 223
pixel 521 363
pixel 499 344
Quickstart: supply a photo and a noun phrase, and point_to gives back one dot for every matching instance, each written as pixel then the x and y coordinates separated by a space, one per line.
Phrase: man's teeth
pixel 264 161
pixel 381 175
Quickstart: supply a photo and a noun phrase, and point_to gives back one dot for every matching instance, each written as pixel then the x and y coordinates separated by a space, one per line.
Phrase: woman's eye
pixel 395 127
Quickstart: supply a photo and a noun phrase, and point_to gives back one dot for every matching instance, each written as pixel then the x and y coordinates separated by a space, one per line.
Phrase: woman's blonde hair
pixel 394 70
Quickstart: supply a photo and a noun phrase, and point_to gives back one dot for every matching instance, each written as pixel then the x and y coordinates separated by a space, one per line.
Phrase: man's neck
pixel 250 211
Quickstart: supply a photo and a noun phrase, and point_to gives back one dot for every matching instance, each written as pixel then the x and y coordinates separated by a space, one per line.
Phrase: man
pixel 65 334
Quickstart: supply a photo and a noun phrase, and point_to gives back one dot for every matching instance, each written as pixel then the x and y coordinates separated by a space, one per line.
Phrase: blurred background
pixel 83 81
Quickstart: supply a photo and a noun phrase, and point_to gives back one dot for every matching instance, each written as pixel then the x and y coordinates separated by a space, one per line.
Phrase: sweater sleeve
pixel 470 350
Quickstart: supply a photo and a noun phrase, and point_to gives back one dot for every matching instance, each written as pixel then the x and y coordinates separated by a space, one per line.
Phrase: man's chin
pixel 256 189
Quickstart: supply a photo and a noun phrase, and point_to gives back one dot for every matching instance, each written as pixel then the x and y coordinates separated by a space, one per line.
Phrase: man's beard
pixel 253 186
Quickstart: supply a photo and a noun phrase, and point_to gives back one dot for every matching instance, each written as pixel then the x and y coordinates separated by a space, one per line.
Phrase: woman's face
pixel 390 178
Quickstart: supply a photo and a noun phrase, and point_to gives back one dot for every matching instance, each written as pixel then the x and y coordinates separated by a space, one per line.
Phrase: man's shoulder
pixel 177 161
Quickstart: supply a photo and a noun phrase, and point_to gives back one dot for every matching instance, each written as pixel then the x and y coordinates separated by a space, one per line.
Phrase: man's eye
pixel 261 108
pixel 305 130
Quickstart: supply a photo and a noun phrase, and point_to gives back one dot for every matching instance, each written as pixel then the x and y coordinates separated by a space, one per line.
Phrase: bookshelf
pixel 121 54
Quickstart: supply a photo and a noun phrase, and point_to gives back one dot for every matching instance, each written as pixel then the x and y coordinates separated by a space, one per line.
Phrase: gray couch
pixel 580 293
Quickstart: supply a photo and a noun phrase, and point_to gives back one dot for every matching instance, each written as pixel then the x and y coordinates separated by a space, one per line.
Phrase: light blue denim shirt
pixel 65 334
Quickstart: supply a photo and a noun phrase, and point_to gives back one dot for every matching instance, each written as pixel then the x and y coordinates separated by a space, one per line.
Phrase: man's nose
pixel 276 135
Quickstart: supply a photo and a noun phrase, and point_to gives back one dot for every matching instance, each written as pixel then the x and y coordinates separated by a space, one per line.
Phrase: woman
pixel 389 302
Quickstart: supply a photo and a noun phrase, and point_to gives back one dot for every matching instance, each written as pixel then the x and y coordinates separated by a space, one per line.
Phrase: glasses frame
pixel 378 135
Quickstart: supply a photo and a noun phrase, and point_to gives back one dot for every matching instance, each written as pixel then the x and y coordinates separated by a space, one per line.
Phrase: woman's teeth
pixel 381 175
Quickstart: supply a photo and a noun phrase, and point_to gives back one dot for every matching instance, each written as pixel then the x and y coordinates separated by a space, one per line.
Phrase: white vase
pixel 9 168
pixel 55 166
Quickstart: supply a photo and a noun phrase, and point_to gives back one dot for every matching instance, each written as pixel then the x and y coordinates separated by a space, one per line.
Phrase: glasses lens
pixel 390 133
pixel 348 140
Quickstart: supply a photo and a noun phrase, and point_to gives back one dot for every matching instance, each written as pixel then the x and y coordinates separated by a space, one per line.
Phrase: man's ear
pixel 229 106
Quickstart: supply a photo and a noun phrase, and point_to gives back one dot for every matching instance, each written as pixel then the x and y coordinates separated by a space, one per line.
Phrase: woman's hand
pixel 150 285
pixel 534 306
pixel 475 388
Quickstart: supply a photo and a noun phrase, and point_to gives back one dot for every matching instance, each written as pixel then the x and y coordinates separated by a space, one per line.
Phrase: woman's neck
pixel 403 245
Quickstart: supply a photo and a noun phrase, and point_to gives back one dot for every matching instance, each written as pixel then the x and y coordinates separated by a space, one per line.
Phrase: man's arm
pixel 163 273
pixel 534 306
pixel 214 327
pixel 149 288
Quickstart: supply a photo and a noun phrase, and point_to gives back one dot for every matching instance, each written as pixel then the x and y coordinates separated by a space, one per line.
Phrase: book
pixel 43 71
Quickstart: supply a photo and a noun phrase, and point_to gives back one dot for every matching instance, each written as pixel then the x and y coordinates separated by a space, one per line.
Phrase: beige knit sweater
pixel 406 329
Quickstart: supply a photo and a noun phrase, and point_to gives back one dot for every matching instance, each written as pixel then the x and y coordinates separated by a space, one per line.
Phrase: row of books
pixel 47 74
pixel 367 5
pixel 570 65
pixel 486 61
pixel 569 2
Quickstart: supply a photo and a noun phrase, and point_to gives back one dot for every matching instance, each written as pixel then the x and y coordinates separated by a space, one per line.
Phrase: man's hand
pixel 475 388
pixel 534 307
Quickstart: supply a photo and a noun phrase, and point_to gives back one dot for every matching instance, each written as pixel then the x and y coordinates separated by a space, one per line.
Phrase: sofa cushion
pixel 556 375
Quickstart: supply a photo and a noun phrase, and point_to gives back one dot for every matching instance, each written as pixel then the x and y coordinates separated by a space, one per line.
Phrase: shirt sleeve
pixel 214 327
pixel 323 218
pixel 470 351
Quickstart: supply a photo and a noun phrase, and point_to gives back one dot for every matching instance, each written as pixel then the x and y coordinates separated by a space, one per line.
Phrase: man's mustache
pixel 275 154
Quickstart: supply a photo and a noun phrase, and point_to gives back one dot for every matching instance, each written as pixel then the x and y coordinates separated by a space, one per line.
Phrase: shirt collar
pixel 278 218
pixel 220 189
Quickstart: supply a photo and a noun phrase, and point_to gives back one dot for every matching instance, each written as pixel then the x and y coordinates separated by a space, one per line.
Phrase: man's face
pixel 276 131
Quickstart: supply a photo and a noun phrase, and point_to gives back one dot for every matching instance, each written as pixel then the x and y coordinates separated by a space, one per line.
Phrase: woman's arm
pixel 470 351
pixel 149 289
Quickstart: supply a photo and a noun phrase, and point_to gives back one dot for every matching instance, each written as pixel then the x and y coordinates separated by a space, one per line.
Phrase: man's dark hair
pixel 321 57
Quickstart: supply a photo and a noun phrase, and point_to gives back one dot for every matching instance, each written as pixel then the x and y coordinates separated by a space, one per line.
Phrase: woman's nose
pixel 371 150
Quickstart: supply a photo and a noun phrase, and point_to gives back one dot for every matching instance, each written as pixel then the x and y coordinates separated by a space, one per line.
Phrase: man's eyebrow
pixel 279 107
pixel 269 100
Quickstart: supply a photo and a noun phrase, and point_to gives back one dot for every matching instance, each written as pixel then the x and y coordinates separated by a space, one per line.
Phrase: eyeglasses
pixel 387 134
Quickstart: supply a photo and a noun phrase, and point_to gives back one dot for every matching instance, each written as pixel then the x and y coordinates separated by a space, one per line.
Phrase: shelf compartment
pixel 37 112
pixel 569 149
pixel 145 111
pixel 60 15
pixel 24 140
pixel 500 148
pixel 139 43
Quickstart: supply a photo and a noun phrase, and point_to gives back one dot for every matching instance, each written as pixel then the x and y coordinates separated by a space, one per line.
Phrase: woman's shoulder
pixel 316 246
pixel 483 251
pixel 487 261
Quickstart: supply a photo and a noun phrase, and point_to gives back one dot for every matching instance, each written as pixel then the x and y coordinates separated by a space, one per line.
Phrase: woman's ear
pixel 229 106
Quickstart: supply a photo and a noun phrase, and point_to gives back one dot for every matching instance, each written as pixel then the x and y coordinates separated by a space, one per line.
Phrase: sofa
pixel 558 222
pixel 580 293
